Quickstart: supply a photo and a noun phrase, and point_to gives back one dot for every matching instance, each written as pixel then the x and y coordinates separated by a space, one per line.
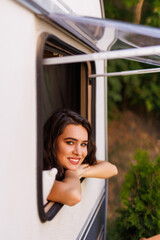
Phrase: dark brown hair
pixel 53 128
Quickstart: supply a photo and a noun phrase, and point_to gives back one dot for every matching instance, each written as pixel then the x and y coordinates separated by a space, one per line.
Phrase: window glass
pixel 99 34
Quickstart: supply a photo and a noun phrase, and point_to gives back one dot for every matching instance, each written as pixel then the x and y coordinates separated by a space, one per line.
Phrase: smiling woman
pixel 72 146
pixel 69 147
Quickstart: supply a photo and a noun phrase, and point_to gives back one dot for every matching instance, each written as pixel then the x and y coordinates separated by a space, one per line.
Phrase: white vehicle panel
pixel 18 135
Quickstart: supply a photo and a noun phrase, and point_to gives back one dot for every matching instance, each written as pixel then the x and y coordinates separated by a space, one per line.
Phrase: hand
pixel 82 169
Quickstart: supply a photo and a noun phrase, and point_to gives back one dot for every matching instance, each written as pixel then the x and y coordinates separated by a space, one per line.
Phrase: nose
pixel 77 150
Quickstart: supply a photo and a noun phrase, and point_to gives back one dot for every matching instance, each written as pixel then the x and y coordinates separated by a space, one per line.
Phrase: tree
pixel 138 11
pixel 140 92
pixel 132 91
pixel 144 12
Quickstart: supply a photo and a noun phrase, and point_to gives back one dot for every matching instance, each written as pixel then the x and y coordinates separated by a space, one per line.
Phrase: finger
pixel 86 168
pixel 85 165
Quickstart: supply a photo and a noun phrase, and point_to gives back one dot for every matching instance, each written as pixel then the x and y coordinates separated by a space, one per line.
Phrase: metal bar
pixel 125 73
pixel 116 54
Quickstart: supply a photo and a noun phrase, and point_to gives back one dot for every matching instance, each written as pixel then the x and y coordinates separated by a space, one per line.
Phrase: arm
pixel 67 191
pixel 102 169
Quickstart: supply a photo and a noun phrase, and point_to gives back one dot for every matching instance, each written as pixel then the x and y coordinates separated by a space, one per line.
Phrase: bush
pixel 140 215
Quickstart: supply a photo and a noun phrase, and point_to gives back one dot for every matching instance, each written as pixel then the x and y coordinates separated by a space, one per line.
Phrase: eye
pixel 70 142
pixel 84 144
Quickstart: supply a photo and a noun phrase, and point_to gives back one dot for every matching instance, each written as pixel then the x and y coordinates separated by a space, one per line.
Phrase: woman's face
pixel 72 146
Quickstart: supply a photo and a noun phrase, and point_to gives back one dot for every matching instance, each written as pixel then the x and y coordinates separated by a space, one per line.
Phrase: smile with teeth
pixel 74 160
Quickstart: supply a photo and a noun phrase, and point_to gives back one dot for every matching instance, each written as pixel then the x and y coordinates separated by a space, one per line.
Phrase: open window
pixel 59 86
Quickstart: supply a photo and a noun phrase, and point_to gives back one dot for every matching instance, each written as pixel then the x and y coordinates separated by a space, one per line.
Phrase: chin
pixel 73 168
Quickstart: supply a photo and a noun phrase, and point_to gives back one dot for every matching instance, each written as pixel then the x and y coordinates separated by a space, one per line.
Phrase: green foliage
pixel 117 10
pixel 140 91
pixel 130 3
pixel 124 10
pixel 131 92
pixel 114 96
pixel 151 13
pixel 140 214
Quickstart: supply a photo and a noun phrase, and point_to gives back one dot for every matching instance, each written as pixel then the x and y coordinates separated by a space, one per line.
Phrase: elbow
pixel 74 198
pixel 115 170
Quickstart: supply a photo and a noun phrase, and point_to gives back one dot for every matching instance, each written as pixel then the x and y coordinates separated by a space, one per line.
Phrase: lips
pixel 74 161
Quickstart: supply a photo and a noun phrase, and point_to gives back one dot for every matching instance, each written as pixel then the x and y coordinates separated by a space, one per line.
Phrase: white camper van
pixel 53 55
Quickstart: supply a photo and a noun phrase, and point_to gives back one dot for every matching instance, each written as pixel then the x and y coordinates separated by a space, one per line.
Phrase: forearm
pixel 72 181
pixel 102 169
pixel 67 191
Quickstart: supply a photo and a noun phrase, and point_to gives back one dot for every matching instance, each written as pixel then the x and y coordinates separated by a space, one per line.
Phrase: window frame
pixel 88 68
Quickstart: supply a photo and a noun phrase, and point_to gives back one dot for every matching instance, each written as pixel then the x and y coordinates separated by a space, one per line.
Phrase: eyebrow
pixel 74 139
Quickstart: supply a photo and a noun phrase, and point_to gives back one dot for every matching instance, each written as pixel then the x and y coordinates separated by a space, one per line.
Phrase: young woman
pixel 69 147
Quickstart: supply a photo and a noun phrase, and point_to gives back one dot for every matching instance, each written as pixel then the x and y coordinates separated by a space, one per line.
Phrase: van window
pixel 59 86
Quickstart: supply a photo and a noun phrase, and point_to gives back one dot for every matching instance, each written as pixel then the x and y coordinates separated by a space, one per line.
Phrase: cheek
pixel 61 148
pixel 85 153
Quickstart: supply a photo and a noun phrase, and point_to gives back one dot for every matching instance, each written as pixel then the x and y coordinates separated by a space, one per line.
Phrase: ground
pixel 125 134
